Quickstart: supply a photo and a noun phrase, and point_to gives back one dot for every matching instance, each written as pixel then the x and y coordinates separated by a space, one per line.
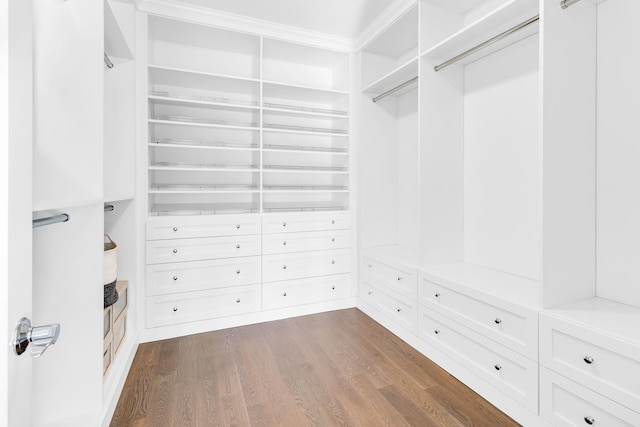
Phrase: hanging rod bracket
pixel 566 3
pixel 107 60
pixel 395 89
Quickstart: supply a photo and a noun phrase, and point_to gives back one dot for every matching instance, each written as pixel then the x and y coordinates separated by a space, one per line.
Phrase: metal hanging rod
pixel 489 42
pixel 109 208
pixel 566 3
pixel 395 89
pixel 50 220
pixel 107 60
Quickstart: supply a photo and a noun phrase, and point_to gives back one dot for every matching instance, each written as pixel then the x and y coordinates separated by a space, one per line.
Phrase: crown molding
pixel 388 16
pixel 216 18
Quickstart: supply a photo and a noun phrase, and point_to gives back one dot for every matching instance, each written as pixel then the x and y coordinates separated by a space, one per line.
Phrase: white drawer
pixel 159 251
pixel 183 227
pixel 176 277
pixel 513 326
pixel 513 374
pixel 565 403
pixel 399 310
pixel 282 243
pixel 311 221
pixel 305 291
pixel 597 360
pixel 403 280
pixel 305 264
pixel 165 310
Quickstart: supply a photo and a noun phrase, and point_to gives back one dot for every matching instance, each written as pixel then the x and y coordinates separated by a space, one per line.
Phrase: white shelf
pixel 303 130
pixel 203 189
pixel 481 280
pixel 303 111
pixel 202 209
pixel 302 149
pixel 192 76
pixel 204 145
pixel 115 44
pixel 210 124
pixel 501 19
pixel 304 169
pixel 396 77
pixel 174 98
pixel 203 167
pixel 273 189
pixel 301 207
pixel 306 87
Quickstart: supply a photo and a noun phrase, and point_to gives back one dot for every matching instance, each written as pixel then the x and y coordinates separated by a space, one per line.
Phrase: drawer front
pixel 305 264
pixel 512 326
pixel 401 311
pixel 177 277
pixel 312 221
pixel 282 243
pixel 305 291
pixel 161 251
pixel 566 403
pixel 514 374
pixel 184 227
pixel 403 280
pixel 596 360
pixel 166 310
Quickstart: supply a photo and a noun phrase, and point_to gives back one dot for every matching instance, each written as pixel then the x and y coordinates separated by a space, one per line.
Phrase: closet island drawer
pixel 403 312
pixel 312 221
pixel 402 279
pixel 597 360
pixel 305 241
pixel 565 403
pixel 305 264
pixel 160 251
pixel 305 291
pixel 513 326
pixel 201 275
pixel 172 309
pixel 183 227
pixel 514 374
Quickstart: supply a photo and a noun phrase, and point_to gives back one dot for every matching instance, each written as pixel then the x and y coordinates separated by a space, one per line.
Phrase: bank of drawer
pixel 311 221
pixel 404 312
pixel 513 326
pixel 403 280
pixel 173 309
pixel 184 227
pixel 305 291
pixel 510 372
pixel 305 264
pixel 282 243
pixel 160 251
pixel 566 403
pixel 176 277
pixel 594 359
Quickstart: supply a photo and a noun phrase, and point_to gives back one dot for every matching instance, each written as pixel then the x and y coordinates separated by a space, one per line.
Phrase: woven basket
pixel 110 273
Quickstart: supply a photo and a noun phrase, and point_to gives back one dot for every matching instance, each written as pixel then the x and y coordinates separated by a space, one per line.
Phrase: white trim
pixel 391 14
pixel 216 18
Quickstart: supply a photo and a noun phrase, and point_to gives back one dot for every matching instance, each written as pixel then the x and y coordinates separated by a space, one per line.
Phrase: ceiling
pixel 342 18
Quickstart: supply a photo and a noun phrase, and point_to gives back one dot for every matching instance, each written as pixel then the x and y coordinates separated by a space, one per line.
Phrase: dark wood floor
pixel 330 369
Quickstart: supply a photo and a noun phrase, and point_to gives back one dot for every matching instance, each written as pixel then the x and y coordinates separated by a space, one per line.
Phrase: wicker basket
pixel 110 273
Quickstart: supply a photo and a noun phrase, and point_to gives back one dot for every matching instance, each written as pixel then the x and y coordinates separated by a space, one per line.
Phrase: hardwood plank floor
pixel 339 368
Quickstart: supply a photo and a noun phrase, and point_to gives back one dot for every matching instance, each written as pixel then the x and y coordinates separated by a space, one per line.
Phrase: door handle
pixel 40 337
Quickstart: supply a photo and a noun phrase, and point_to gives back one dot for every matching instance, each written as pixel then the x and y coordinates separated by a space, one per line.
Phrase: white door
pixel 15 204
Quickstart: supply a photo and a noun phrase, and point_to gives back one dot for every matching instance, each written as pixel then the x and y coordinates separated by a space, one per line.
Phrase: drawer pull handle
pixel 437 295
pixel 175 228
pixel 589 420
pixel 333 239
pixel 284 267
pixel 175 251
pixel 497 366
pixel 238 246
pixel 175 277
pixel 284 294
pixel 498 320
pixel 238 300
pixel 370 292
pixel 398 310
pixel 237 271
pixel 399 278
pixel 370 265
pixel 333 288
pixel 284 224
pixel 436 331
pixel 588 360
pixel 284 243
pixel 333 221
pixel 238 226
pixel 333 261
pixel 175 309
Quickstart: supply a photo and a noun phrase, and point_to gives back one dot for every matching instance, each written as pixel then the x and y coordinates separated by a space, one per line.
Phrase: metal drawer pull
pixel 589 420
pixel 284 294
pixel 497 366
pixel 238 226
pixel 436 331
pixel 398 310
pixel 588 360
pixel 238 246
pixel 437 295
pixel 284 267
pixel 370 292
pixel 175 309
pixel 333 261
pixel 333 288
pixel 333 239
pixel 237 300
pixel 498 320
pixel 284 243
pixel 175 228
pixel 284 224
pixel 370 265
pixel 399 278
pixel 237 271
pixel 175 277
pixel 175 251
pixel 333 221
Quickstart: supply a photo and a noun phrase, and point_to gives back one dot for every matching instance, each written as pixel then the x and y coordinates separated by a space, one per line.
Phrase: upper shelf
pixel 396 77
pixel 115 43
pixel 497 21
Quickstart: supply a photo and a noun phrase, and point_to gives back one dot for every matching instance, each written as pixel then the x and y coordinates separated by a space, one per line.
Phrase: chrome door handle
pixel 40 337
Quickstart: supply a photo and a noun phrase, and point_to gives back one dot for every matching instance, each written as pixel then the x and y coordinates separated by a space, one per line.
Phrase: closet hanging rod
pixel 489 42
pixel 50 220
pixel 109 208
pixel 107 60
pixel 395 89
pixel 566 3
